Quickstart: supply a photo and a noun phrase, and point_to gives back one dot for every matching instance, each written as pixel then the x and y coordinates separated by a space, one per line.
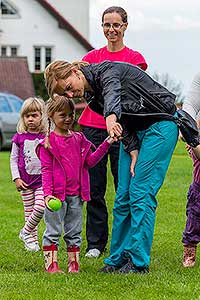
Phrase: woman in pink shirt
pixel 65 158
pixel 114 24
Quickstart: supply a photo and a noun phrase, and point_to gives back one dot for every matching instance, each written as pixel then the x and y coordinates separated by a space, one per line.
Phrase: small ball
pixel 55 204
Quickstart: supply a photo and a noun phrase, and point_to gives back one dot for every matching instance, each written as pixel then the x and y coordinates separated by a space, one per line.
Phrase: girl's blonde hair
pixel 59 69
pixel 32 104
pixel 57 104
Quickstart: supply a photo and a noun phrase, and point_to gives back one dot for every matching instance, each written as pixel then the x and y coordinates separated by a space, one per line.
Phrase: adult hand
pixel 114 128
pixel 20 184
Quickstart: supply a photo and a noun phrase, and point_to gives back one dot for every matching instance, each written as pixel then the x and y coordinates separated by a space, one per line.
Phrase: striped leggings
pixel 34 206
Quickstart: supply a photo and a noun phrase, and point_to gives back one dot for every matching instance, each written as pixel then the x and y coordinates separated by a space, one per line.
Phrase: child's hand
pixel 46 201
pixel 134 156
pixel 110 140
pixel 20 184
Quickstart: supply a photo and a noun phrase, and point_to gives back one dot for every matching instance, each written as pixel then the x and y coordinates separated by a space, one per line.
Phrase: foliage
pixel 39 85
pixel 171 85
pixel 22 273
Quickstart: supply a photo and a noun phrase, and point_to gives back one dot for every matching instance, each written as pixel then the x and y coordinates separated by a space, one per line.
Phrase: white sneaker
pixel 28 244
pixel 37 247
pixel 93 253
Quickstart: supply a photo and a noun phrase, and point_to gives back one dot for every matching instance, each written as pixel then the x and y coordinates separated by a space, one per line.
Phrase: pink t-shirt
pixel 88 116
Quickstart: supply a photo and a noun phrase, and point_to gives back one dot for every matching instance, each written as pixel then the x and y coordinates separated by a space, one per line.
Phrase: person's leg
pixel 72 231
pixel 54 224
pixel 121 212
pixel 158 143
pixel 191 234
pixel 114 159
pixel 97 215
pixel 28 199
pixel 36 214
pixel 53 231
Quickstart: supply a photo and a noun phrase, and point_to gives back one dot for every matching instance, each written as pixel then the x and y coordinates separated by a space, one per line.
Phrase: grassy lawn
pixel 22 275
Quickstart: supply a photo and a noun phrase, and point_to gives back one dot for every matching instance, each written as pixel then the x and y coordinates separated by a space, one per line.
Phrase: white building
pixel 44 30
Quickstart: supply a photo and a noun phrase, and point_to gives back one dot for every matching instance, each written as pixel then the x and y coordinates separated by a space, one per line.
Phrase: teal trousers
pixel 135 203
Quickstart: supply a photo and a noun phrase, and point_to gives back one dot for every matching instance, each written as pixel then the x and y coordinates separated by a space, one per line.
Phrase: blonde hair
pixel 57 104
pixel 32 104
pixel 59 69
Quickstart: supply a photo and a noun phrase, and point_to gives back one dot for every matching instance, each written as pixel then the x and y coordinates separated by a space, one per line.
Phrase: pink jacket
pixel 53 173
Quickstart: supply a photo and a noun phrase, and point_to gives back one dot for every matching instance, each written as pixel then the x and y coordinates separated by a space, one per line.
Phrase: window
pixel 42 57
pixel 7 50
pixel 7 9
pixel 3 51
pixel 16 103
pixel 13 51
pixel 4 105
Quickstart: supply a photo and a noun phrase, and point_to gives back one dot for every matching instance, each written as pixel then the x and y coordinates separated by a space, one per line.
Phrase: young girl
pixel 65 158
pixel 26 168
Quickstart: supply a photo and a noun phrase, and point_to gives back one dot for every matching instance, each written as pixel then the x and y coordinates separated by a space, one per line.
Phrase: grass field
pixel 22 276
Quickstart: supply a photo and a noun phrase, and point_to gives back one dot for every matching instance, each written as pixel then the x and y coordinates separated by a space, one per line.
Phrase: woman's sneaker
pixel 129 267
pixel 93 253
pixel 29 244
pixel 108 269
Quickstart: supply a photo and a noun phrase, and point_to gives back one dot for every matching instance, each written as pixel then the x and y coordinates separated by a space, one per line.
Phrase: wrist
pixel 110 140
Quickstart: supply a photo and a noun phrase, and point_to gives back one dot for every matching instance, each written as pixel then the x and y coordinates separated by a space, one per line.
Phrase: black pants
pixel 97 214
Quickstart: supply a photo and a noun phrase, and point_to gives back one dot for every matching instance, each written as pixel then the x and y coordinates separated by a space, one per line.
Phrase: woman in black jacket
pixel 132 104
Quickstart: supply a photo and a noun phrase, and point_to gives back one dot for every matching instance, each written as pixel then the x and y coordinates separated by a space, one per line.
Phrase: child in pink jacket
pixel 65 158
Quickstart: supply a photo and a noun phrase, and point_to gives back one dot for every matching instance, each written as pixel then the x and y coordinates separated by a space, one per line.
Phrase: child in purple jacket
pixel 65 158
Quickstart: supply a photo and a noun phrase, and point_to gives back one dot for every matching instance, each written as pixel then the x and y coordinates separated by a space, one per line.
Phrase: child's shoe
pixel 50 259
pixel 73 259
pixel 37 247
pixel 189 255
pixel 29 243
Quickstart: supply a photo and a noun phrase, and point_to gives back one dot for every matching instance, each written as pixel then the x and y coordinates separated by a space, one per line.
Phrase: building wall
pixel 36 27
pixel 76 12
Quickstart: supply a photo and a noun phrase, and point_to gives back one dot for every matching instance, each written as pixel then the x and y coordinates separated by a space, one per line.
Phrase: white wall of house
pixel 76 12
pixel 36 27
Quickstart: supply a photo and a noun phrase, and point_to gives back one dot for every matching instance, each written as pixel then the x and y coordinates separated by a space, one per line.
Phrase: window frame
pixel 10 6
pixel 45 57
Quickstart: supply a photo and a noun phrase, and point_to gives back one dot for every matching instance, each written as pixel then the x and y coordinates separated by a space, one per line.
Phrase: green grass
pixel 22 275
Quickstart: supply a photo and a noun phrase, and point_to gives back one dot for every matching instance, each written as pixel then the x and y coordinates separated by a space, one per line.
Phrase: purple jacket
pixel 53 173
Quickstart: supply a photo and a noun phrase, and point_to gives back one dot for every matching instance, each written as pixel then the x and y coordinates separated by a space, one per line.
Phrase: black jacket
pixel 121 88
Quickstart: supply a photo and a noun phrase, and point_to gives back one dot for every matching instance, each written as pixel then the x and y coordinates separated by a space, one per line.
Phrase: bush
pixel 39 85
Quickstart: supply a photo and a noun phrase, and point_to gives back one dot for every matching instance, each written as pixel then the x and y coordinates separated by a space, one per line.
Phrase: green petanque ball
pixel 55 204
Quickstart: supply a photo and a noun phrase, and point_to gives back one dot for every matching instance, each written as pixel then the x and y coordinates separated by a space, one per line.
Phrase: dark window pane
pixel 48 56
pixel 3 51
pixel 38 58
pixel 13 51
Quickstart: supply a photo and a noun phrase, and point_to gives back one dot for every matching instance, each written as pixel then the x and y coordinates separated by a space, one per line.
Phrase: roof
pixel 64 24
pixel 15 77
